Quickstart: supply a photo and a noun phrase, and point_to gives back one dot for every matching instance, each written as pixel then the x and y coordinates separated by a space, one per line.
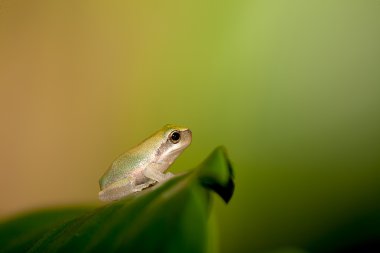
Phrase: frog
pixel 145 164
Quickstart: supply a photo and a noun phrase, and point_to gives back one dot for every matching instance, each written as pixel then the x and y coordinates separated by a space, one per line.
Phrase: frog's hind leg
pixel 116 190
pixel 121 189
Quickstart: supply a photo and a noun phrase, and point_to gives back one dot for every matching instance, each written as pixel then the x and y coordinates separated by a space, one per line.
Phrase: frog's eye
pixel 174 137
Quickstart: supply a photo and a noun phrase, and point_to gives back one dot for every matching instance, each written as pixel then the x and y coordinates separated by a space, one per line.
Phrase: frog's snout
pixel 188 136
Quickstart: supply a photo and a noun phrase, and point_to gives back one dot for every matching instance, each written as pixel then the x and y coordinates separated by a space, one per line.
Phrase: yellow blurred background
pixel 291 88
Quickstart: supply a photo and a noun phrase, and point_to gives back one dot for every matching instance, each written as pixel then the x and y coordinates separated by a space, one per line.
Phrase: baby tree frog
pixel 145 164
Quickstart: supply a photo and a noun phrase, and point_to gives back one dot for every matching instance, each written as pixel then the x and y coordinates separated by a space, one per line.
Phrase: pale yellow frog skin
pixel 145 164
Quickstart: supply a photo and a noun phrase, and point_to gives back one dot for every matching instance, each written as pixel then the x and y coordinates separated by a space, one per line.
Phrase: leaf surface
pixel 170 217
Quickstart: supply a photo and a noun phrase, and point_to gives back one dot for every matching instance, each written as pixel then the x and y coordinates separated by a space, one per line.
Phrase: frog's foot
pixel 153 173
pixel 143 186
pixel 169 175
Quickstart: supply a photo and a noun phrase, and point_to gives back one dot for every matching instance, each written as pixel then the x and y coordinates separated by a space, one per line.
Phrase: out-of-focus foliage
pixel 18 234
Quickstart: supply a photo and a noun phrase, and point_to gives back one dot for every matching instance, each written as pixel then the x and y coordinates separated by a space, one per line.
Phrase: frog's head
pixel 176 139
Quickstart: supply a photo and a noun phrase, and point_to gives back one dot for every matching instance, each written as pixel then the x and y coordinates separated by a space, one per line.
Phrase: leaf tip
pixel 216 173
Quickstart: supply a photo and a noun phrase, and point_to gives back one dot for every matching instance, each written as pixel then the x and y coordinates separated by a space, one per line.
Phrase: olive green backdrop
pixel 291 88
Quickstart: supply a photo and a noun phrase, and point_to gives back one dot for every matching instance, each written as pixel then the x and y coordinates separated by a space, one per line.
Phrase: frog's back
pixel 121 168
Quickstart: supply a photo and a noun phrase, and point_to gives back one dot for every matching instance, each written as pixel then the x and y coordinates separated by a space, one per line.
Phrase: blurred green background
pixel 291 88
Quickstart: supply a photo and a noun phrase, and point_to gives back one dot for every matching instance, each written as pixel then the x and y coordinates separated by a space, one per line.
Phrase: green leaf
pixel 171 217
pixel 18 234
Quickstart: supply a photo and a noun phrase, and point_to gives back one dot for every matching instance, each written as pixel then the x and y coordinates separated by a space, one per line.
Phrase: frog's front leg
pixel 153 172
pixel 122 188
